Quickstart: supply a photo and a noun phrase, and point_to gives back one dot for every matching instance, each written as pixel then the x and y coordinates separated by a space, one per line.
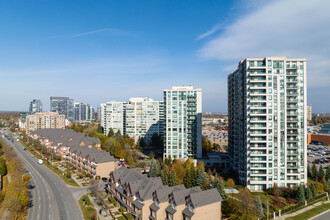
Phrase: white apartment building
pixel 112 116
pixel 143 118
pixel 267 115
pixel 183 119
pixel 140 117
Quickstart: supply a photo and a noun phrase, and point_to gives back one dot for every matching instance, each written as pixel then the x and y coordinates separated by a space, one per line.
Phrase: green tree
pixel 172 178
pixel 154 168
pixel 320 173
pixel 111 133
pixel 327 175
pixel 259 208
pixel 165 175
pixel 190 178
pixel 300 194
pixel 313 189
pixel 99 129
pixel 3 166
pixel 314 171
pixel 309 194
pixel 309 171
pixel 200 176
pixel 219 185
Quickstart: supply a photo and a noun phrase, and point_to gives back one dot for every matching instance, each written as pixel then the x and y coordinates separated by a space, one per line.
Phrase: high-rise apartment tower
pixel 183 119
pixel 267 131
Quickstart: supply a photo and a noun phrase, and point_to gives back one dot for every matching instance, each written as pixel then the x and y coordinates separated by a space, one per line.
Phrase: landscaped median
pixel 87 208
pixel 311 213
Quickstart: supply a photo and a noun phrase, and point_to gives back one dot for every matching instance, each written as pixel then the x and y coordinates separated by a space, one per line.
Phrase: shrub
pixel 115 203
pixel 111 200
pixel 121 209
pixel 291 200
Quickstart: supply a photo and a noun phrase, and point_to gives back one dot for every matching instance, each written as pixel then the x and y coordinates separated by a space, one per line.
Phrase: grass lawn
pixel 312 212
pixel 121 218
pixel 67 180
pixel 88 212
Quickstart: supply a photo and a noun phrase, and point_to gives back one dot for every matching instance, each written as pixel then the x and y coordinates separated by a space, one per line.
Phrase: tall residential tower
pixel 35 106
pixel 183 119
pixel 267 132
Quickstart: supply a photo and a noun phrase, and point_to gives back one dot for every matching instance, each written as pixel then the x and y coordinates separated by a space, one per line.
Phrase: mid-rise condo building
pixel 183 119
pixel 44 120
pixel 267 130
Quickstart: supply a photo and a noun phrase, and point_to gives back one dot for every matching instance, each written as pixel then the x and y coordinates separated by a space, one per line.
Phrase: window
pixel 269 63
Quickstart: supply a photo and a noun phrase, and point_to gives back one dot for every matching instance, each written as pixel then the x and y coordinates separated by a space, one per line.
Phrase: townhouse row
pixel 148 198
pixel 78 149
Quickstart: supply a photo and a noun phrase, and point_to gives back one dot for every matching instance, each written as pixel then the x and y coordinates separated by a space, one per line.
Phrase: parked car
pixel 40 161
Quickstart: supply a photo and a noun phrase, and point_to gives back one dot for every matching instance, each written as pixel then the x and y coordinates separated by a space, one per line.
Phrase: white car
pixel 40 161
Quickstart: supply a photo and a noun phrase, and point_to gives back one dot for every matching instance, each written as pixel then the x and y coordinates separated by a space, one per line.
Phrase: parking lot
pixel 319 155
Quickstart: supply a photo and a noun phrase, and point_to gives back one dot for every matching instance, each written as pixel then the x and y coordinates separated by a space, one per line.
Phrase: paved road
pixel 324 216
pixel 51 197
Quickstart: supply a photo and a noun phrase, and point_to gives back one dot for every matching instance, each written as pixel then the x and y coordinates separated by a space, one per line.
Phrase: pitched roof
pixel 206 197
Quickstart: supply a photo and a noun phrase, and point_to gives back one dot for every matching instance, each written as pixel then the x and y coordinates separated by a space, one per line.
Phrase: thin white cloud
pixel 213 30
pixel 111 30
pixel 292 28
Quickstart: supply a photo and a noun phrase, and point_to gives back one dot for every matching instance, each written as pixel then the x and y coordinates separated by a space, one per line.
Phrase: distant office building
pixel 267 129
pixel 183 119
pixel 138 118
pixel 309 113
pixel 35 106
pixel 45 120
pixel 83 112
pixel 63 106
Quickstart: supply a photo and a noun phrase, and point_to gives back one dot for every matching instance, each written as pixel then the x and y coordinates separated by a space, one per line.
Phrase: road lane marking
pixel 30 164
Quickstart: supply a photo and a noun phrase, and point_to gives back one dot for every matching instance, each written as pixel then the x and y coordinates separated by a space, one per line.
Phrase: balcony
pixel 292 100
pixel 292 93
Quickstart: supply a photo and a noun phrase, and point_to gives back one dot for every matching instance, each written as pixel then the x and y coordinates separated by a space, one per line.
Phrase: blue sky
pixel 98 51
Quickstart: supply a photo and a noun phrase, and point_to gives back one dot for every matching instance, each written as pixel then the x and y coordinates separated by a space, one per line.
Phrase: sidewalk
pixel 302 210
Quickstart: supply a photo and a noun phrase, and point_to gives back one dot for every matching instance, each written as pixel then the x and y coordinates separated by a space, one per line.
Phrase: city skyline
pixel 105 50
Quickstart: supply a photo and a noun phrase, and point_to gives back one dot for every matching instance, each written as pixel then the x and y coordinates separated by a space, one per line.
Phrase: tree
pixel 156 140
pixel 245 202
pixel 3 166
pixel 200 176
pixel 172 179
pixel 142 143
pixel 309 194
pixel 111 133
pixel 313 189
pixel 320 173
pixel 259 208
pixel 314 171
pixel 300 194
pixel 219 185
pixel 99 129
pixel 327 175
pixel 190 179
pixel 165 176
pixel 154 168
pixel 309 171
pixel 231 183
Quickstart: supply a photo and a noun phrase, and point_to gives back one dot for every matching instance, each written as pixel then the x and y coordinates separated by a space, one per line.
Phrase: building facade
pixel 140 117
pixel 309 113
pixel 35 106
pixel 183 119
pixel 144 117
pixel 112 116
pixel 83 112
pixel 44 120
pixel 267 122
pixel 63 106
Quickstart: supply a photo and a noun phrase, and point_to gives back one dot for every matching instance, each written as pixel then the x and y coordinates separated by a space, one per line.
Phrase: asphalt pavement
pixel 51 198
pixel 323 216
